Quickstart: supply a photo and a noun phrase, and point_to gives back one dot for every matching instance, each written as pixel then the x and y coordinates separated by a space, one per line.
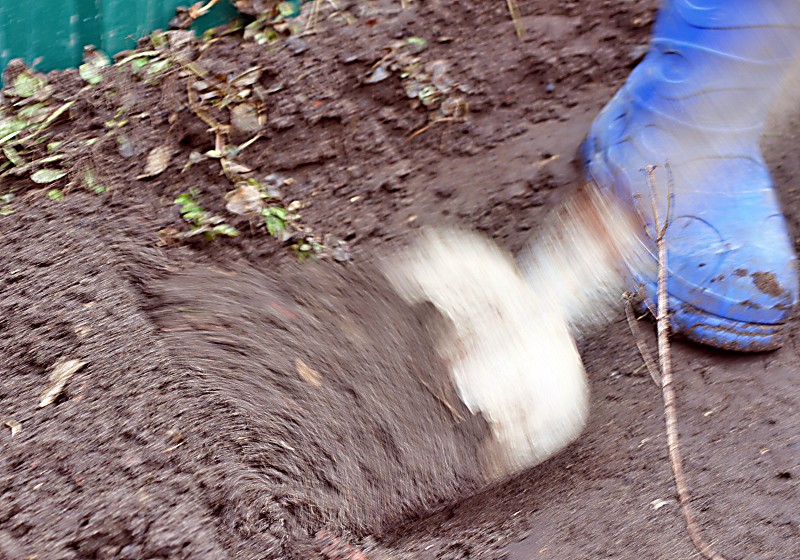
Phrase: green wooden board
pixel 51 34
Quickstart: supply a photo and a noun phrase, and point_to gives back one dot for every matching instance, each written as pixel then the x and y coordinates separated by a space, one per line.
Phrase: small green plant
pixel 27 84
pixel 159 39
pixel 307 248
pixel 156 71
pixel 201 221
pixel 92 68
pixel 268 28
pixel 275 219
pixel 252 198
pixel 92 183
pixel 55 194
pixel 24 122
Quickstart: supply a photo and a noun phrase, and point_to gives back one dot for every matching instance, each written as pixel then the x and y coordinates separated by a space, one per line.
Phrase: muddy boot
pixel 698 102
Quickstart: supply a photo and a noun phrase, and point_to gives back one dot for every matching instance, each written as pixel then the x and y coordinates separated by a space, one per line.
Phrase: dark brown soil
pixel 235 402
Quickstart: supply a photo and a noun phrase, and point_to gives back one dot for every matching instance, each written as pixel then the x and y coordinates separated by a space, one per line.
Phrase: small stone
pixel 637 53
pixel 296 45
pixel 403 168
pixel 391 185
pixel 517 189
pixel 282 123
pixel 348 58
pixel 443 191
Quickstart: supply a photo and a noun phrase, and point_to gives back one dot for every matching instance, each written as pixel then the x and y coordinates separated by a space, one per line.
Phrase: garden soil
pixel 230 401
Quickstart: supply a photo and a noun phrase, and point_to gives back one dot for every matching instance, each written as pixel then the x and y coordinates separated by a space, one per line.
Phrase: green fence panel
pixel 52 33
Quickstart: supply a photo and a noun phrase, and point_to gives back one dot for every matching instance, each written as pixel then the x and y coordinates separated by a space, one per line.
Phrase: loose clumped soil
pixel 234 402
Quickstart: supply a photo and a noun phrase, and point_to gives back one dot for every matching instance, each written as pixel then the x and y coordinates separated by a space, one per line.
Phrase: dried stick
pixel 667 389
pixel 313 17
pixel 429 125
pixel 633 324
pixel 456 414
pixel 198 9
pixel 513 10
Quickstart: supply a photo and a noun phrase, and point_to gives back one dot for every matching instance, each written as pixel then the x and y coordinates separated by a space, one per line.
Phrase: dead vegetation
pixel 666 380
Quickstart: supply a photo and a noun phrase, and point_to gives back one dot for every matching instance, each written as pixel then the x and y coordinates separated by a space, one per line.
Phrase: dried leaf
pixel 233 168
pixel 247 78
pixel 658 504
pixel 9 128
pixel 14 425
pixel 13 156
pixel 44 176
pixel 245 199
pixel 157 161
pixel 378 75
pixel 307 374
pixel 244 118
pixel 61 373
pixel 125 146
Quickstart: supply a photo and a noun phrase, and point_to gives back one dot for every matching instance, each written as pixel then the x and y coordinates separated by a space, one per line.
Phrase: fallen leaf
pixel 14 425
pixel 233 168
pixel 157 161
pixel 55 194
pixel 244 118
pixel 13 156
pixel 47 175
pixel 658 504
pixel 94 62
pixel 125 147
pixel 247 78
pixel 225 229
pixel 307 374
pixel 245 199
pixel 61 373
pixel 379 74
pixel 416 44
pixel 90 74
pixel 27 84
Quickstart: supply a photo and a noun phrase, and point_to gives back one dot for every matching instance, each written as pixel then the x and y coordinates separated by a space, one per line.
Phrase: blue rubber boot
pixel 698 102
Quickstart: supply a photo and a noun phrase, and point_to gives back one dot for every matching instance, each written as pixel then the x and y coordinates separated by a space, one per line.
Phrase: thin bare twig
pixel 457 415
pixel 430 125
pixel 198 9
pixel 633 324
pixel 313 17
pixel 667 388
pixel 513 9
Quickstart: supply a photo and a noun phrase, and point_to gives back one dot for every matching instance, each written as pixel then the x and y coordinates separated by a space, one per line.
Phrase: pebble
pixel 296 45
